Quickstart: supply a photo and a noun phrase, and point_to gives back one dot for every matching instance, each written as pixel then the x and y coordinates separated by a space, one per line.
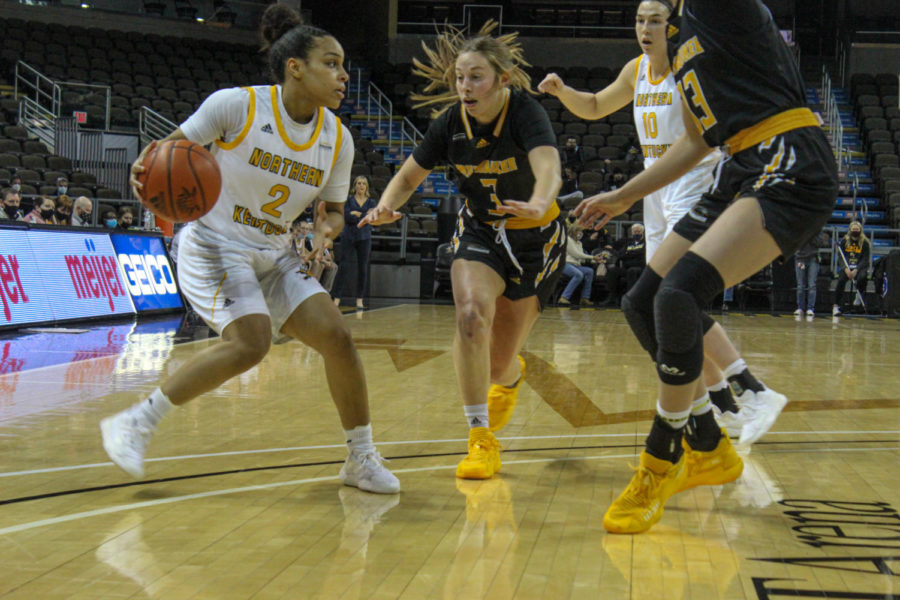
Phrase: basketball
pixel 181 181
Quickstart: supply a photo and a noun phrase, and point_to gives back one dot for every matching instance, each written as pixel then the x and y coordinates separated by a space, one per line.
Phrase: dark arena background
pixel 241 497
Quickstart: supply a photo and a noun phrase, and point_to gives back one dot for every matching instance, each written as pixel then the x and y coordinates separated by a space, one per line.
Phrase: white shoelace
pixel 500 228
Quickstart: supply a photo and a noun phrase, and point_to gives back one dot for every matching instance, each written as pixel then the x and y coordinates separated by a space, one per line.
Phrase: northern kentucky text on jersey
pixel 496 167
pixel 291 169
pixel 243 216
pixel 653 99
pixel 654 150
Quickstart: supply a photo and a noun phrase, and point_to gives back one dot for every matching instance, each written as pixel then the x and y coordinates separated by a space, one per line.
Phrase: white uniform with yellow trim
pixel 237 260
pixel 657 117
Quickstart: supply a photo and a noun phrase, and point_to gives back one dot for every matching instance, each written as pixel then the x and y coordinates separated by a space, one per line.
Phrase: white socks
pixel 675 420
pixel 152 410
pixel 701 405
pixel 359 439
pixel 723 384
pixel 476 415
pixel 735 368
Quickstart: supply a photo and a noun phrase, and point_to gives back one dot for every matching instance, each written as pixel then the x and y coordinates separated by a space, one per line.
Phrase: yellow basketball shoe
pixel 483 459
pixel 640 506
pixel 502 400
pixel 722 465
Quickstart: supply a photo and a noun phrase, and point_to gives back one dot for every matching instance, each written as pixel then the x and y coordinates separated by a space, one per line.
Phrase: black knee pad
pixel 637 305
pixel 679 320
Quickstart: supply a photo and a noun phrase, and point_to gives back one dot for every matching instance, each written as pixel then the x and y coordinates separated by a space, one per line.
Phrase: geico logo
pixel 148 274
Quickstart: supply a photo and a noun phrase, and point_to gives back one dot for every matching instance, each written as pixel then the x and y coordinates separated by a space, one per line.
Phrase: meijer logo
pixel 11 290
pixel 95 276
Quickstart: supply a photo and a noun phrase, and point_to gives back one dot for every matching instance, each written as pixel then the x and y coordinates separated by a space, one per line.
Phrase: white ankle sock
pixel 359 439
pixel 152 410
pixel 476 415
pixel 675 420
pixel 735 368
pixel 723 384
pixel 701 405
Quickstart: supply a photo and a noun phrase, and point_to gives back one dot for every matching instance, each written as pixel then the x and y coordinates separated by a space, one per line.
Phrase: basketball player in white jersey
pixel 647 81
pixel 279 149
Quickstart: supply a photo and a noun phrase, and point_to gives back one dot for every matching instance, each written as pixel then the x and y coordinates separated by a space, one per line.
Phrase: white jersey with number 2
pixel 272 167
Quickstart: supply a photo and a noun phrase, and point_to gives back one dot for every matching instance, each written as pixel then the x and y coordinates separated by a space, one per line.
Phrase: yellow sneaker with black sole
pixel 717 467
pixel 502 400
pixel 640 506
pixel 483 459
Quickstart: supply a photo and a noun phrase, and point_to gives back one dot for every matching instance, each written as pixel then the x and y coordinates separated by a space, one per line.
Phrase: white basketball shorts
pixel 225 281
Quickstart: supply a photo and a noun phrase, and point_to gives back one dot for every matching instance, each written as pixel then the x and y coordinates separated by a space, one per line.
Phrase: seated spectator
pixel 126 218
pixel 597 241
pixel 108 217
pixel 571 155
pixel 617 180
pixel 43 213
pixel 630 258
pixel 62 186
pixel 853 263
pixel 569 194
pixel 64 210
pixel 82 211
pixel 10 210
pixel 323 268
pixel 577 273
pixel 16 184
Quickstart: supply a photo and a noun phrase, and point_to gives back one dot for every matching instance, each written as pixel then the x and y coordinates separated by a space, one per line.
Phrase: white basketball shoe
pixel 125 441
pixel 761 410
pixel 368 473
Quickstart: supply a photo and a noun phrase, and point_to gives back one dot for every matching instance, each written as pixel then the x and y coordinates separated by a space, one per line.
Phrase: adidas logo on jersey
pixel 267 128
pixel 228 302
pixel 482 143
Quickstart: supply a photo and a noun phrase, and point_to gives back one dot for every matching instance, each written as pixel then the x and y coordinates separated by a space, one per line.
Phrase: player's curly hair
pixel 503 53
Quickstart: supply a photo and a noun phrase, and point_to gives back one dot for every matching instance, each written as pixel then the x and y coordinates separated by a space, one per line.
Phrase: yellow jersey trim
pixel 500 121
pixel 657 81
pixel 212 313
pixel 637 70
pixel 522 223
pixel 251 112
pixel 284 137
pixel 767 128
pixel 338 140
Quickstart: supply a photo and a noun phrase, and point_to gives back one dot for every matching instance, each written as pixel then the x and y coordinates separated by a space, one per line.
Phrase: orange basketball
pixel 181 181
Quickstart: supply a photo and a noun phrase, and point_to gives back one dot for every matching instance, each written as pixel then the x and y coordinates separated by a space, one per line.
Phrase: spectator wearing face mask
pixel 81 212
pixel 853 261
pixel 126 218
pixel 64 210
pixel 631 258
pixel 108 217
pixel 62 186
pixel 43 213
pixel 16 184
pixel 10 210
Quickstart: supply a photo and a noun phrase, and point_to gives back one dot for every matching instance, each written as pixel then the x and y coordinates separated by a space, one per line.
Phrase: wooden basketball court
pixel 242 500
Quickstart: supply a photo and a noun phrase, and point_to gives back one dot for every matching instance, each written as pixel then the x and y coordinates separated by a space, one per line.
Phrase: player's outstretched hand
pixel 517 208
pixel 596 211
pixel 552 84
pixel 137 168
pixel 380 215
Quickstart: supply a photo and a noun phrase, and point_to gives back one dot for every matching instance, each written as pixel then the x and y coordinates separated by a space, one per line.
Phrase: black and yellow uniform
pixel 855 251
pixel 745 94
pixel 492 165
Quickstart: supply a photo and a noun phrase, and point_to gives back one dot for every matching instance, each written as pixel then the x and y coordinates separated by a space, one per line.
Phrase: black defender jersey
pixel 735 71
pixel 491 160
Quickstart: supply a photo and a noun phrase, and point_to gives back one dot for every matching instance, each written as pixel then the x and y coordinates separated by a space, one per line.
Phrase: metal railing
pixel 153 126
pixel 385 106
pixel 39 122
pixel 410 132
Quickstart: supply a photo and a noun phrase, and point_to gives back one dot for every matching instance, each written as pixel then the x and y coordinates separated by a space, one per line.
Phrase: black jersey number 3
pixel 691 91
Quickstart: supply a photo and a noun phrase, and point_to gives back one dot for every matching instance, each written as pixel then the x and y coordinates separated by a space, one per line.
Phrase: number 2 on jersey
pixel 492 183
pixel 281 194
pixel 651 129
pixel 696 100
